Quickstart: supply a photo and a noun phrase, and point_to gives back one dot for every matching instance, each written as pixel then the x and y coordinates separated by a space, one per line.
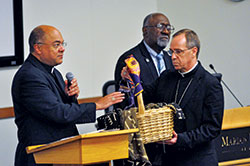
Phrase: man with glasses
pixel 149 52
pixel 153 61
pixel 200 96
pixel 46 109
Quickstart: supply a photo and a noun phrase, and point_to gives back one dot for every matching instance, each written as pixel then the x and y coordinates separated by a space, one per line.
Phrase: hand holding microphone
pixel 71 87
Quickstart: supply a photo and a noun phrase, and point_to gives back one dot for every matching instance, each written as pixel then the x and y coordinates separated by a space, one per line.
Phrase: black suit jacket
pixel 147 67
pixel 43 111
pixel 203 106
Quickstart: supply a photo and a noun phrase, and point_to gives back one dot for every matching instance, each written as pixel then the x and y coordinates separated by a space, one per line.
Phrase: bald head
pixel 39 34
pixel 47 45
pixel 149 19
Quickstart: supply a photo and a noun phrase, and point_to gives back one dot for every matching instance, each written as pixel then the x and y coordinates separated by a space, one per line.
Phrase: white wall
pixel 99 31
pixel 96 31
pixel 223 28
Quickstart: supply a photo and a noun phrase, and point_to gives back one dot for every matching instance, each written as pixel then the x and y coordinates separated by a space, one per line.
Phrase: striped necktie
pixel 160 62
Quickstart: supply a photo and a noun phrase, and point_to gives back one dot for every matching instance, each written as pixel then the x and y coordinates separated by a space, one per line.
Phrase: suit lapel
pixel 194 84
pixel 168 61
pixel 148 60
pixel 59 85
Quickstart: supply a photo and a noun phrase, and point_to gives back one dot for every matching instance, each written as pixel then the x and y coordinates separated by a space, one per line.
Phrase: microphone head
pixel 211 66
pixel 70 76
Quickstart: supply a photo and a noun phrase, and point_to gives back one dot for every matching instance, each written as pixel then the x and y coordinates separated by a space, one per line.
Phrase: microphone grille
pixel 69 76
pixel 211 66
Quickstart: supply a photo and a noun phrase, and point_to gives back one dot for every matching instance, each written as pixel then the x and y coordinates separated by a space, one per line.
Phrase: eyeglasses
pixel 161 27
pixel 56 45
pixel 177 52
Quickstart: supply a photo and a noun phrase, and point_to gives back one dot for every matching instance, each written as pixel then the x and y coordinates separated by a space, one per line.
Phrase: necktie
pixel 160 62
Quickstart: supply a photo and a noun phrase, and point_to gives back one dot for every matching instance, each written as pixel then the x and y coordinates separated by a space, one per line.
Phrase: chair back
pixel 108 88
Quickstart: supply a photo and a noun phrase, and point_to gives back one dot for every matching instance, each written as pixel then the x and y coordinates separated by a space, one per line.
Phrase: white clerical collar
pixel 183 73
pixel 52 70
pixel 150 50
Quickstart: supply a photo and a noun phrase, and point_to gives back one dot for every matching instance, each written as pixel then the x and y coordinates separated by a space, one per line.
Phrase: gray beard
pixel 162 43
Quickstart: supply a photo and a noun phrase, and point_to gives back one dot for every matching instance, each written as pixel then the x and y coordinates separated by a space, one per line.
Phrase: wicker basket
pixel 156 124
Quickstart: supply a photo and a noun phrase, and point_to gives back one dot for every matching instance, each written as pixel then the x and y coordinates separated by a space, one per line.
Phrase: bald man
pixel 45 109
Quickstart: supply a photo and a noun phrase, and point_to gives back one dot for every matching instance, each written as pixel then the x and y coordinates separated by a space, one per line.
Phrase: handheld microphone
pixel 70 77
pixel 212 67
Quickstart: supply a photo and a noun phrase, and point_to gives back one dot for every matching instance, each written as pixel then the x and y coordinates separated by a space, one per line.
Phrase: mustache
pixel 164 36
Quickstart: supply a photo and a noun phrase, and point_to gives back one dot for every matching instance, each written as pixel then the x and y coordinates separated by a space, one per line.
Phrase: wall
pixel 99 31
pixel 223 28
pixel 96 31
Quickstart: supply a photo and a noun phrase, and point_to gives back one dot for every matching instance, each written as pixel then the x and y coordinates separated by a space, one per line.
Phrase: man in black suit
pixel 200 96
pixel 153 61
pixel 149 52
pixel 45 108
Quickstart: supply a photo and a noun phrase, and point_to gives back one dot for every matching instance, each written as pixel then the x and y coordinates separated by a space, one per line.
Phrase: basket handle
pixel 141 106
